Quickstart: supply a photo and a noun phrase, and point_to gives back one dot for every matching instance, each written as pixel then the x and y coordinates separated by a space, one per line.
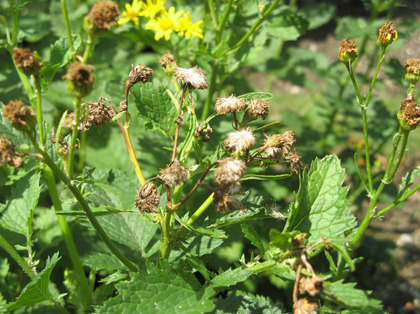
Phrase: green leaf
pixel 253 236
pixel 160 291
pixel 320 209
pixel 260 95
pixel 347 295
pixel 283 240
pixel 60 52
pixel 37 290
pixel 103 261
pixel 318 14
pixel 8 131
pixel 19 209
pixel 355 27
pixel 265 177
pixel 200 245
pixel 231 277
pixel 288 25
pixel 156 108
pixel 407 182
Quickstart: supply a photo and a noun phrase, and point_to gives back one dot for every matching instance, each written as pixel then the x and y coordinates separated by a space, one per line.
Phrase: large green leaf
pixel 102 261
pixel 288 25
pixel 17 213
pixel 160 291
pixel 37 290
pixel 231 277
pixel 156 108
pixel 320 209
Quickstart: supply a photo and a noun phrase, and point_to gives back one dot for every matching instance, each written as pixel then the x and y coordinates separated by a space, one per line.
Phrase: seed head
pixel 9 154
pixel 174 174
pixel 168 63
pixel 229 104
pixel 80 78
pixel 26 61
pixel 295 162
pixel 240 140
pixel 285 141
pixel 20 115
pixel 305 306
pixel 410 111
pixel 192 77
pixel 97 114
pixel 103 15
pixel 412 70
pixel 230 170
pixel 138 73
pixel 225 197
pixel 387 34
pixel 348 51
pixel 148 198
pixel 310 285
pixel 273 153
pixel 258 108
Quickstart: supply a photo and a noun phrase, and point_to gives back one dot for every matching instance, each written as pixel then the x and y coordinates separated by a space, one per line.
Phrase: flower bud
pixel 80 79
pixel 26 61
pixel 148 198
pixel 174 174
pixel 168 63
pixel 310 285
pixel 192 77
pixel 387 34
pixel 229 104
pixel 20 115
pixel 348 51
pixel 9 154
pixel 412 70
pixel 103 15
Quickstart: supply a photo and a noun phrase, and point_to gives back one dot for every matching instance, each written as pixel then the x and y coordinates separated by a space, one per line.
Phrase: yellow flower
pixel 187 27
pixel 165 24
pixel 131 13
pixel 152 8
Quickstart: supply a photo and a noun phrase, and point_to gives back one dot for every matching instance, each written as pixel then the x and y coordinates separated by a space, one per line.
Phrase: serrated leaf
pixel 231 277
pixel 19 208
pixel 407 181
pixel 347 295
pixel 60 52
pixel 156 108
pixel 103 261
pixel 288 26
pixel 320 209
pixel 160 291
pixel 200 245
pixel 283 240
pixel 253 236
pixel 37 290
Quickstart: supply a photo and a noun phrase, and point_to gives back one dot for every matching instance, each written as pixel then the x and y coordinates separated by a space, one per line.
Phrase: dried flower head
pixel 305 306
pixel 103 15
pixel 226 105
pixel 26 61
pixel 226 197
pixel 9 153
pixel 20 115
pixel 240 141
pixel 295 162
pixel 258 108
pixel 410 111
pixel 310 285
pixel 192 77
pixel 412 70
pixel 387 34
pixel 273 153
pixel 203 130
pixel 63 148
pixel 285 141
pixel 80 78
pixel 174 174
pixel 230 170
pixel 168 63
pixel 138 73
pixel 148 198
pixel 348 51
pixel 97 113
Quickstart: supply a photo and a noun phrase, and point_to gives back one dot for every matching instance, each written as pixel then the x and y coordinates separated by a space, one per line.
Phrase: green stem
pixel 372 83
pixel 90 43
pixel 221 26
pixel 68 239
pixel 75 132
pixel 201 209
pixel 68 28
pixel 15 22
pixel 396 202
pixel 411 90
pixel 38 108
pixel 213 14
pixel 212 88
pixel 404 143
pixel 166 247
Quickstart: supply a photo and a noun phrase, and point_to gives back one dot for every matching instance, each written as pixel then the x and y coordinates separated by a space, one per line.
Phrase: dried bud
pixel 230 170
pixel 348 51
pixel 258 108
pixel 80 78
pixel 20 115
pixel 310 285
pixel 387 34
pixel 97 114
pixel 273 153
pixel 240 141
pixel 103 15
pixel 192 77
pixel 412 70
pixel 174 174
pixel 9 154
pixel 286 141
pixel 148 198
pixel 409 113
pixel 203 130
pixel 295 161
pixel 138 73
pixel 305 306
pixel 225 197
pixel 26 61
pixel 168 63
pixel 229 104
pixel 123 106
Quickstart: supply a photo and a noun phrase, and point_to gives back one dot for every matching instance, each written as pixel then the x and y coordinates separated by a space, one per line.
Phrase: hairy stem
pixel 68 28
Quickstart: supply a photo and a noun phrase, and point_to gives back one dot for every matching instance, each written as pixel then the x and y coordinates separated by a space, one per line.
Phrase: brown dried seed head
pixel 8 153
pixel 240 141
pixel 168 61
pixel 103 15
pixel 295 161
pixel 310 285
pixel 348 51
pixel 410 111
pixel 99 114
pixel 387 34
pixel 174 174
pixel 286 141
pixel 230 170
pixel 20 115
pixel 192 77
pixel 412 66
pixel 225 197
pixel 258 108
pixel 26 61
pixel 80 74
pixel 138 73
pixel 229 104
pixel 305 306
pixel 148 198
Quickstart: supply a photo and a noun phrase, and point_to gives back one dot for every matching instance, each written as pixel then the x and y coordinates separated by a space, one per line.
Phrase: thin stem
pixel 15 22
pixel 404 143
pixel 68 28
pixel 178 121
pixel 75 132
pixel 201 209
pixel 89 47
pixel 396 202
pixel 213 14
pixel 165 248
pixel 378 66
pixel 68 239
pixel 209 99
pixel 411 90
pixel 221 26
pixel 38 108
